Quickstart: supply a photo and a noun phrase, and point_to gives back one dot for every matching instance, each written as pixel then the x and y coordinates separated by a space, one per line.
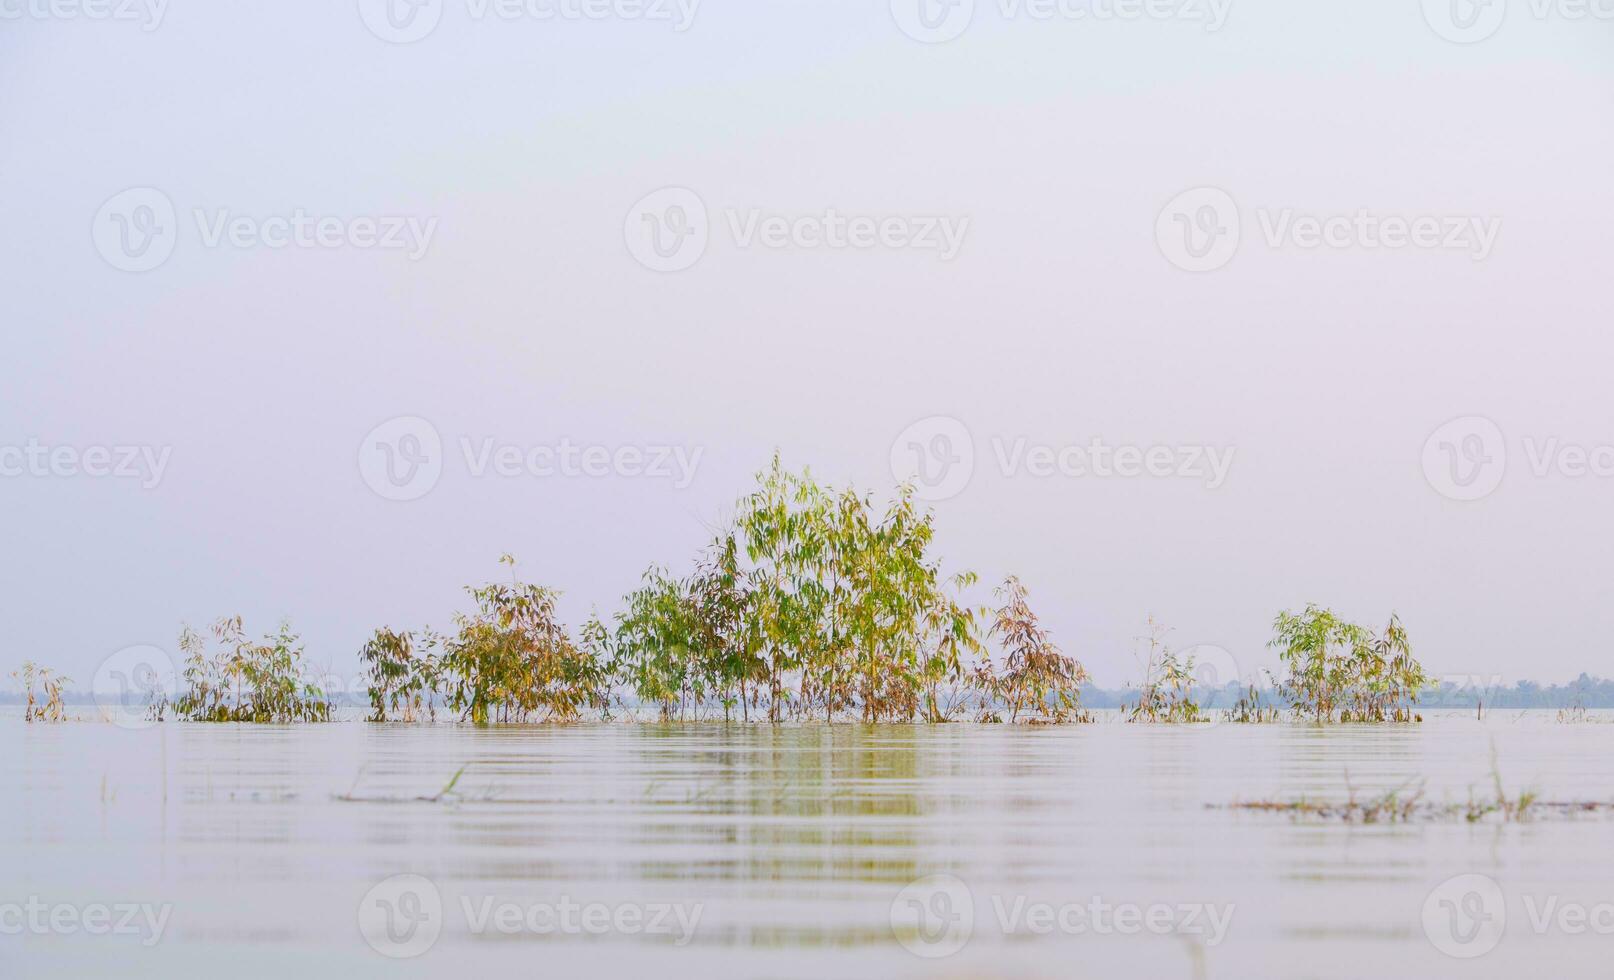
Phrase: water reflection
pixel 794 842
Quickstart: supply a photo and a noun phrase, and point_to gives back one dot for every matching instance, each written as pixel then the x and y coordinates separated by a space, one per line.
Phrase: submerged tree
pixel 55 708
pixel 1037 677
pixel 511 659
pixel 1168 685
pixel 403 674
pixel 1339 670
pixel 246 681
pixel 814 604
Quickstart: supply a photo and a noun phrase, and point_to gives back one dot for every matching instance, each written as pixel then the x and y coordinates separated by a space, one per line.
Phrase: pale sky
pixel 508 157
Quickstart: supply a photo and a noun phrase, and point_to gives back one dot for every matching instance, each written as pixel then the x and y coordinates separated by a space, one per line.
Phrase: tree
pixel 1037 677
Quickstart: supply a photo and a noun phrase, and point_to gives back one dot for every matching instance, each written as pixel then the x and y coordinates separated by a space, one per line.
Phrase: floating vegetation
pixel 54 709
pixel 1407 803
pixel 447 794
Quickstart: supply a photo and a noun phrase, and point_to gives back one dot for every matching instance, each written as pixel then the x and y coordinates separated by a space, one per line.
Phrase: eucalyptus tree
pixel 781 527
pixel 247 681
pixel 403 674
pixel 1037 676
pixel 512 660
pixel 1341 670
pixel 1317 648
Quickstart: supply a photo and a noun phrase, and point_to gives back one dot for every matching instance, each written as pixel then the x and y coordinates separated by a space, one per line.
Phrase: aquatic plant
pixel 1251 709
pixel 244 681
pixel 1406 803
pixel 1574 714
pixel 51 685
pixel 1341 671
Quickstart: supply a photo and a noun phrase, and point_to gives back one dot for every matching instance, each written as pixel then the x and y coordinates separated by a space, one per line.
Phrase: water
pixel 793 843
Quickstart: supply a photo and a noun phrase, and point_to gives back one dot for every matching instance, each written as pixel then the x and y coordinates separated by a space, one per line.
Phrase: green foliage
pixel 245 681
pixel 1341 671
pixel 1168 686
pixel 511 660
pixel 403 674
pixel 813 604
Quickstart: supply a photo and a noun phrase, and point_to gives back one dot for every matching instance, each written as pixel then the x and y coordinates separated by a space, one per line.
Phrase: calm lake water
pixel 641 850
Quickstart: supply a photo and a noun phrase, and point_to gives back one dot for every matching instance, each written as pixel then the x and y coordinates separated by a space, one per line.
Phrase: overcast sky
pixel 1286 243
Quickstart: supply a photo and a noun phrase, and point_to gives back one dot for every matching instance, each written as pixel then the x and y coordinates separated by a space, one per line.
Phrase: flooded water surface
pixel 352 850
